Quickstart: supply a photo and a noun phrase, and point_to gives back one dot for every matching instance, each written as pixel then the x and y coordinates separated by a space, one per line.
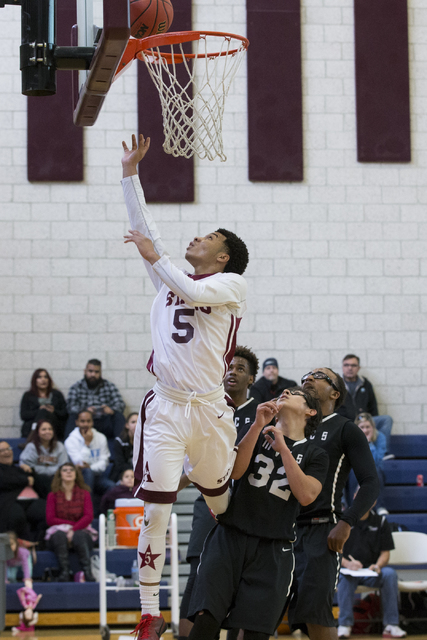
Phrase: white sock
pixel 151 554
pixel 149 596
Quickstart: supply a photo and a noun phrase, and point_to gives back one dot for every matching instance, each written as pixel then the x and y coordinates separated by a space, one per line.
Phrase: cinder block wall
pixel 338 262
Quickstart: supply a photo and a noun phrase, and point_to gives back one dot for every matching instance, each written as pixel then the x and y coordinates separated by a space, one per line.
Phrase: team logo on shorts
pixel 146 477
pixel 147 558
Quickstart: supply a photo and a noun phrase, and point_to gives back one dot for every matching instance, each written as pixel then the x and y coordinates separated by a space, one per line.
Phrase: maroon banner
pixel 274 91
pixel 164 177
pixel 382 81
pixel 54 144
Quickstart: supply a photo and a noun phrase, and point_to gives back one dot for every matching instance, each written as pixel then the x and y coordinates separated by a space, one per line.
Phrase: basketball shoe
pixel 150 627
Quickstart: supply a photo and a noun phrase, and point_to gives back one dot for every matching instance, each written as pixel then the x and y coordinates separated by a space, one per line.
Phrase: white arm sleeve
pixel 228 288
pixel 141 220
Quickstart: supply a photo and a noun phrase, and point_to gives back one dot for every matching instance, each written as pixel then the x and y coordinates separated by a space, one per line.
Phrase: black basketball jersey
pixel 245 415
pixel 347 447
pixel 262 503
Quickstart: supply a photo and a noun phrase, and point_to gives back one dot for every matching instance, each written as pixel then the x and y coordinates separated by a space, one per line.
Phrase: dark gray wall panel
pixel 164 177
pixel 274 91
pixel 382 81
pixel 55 145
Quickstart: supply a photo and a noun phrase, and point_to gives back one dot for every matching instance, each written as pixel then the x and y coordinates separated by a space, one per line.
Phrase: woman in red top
pixel 69 513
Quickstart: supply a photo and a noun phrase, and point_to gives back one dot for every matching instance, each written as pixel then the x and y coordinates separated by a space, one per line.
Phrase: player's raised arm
pixel 133 156
pixel 144 232
pixel 264 414
pixel 304 486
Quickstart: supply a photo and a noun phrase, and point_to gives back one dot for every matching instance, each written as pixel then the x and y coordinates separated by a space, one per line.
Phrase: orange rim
pixel 178 37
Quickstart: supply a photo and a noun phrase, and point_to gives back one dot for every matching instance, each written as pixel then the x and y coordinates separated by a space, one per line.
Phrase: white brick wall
pixel 338 262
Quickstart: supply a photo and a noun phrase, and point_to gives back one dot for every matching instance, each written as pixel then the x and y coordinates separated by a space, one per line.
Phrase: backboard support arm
pixel 109 52
pixel 40 57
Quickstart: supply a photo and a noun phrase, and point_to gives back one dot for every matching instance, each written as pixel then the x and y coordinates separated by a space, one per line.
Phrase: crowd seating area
pixel 406 503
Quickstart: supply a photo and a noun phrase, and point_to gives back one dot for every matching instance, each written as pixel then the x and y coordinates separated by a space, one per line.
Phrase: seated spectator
pixel 361 398
pixel 271 385
pixel 123 447
pixel 69 514
pixel 22 511
pixel 99 396
pixel 369 547
pixel 377 446
pixel 88 450
pixel 121 490
pixel 42 456
pixel 43 402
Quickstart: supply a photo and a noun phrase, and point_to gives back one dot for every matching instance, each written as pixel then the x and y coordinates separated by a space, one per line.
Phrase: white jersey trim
pixel 331 415
pixel 334 485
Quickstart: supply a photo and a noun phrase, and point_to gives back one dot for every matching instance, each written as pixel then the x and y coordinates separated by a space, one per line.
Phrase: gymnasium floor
pixel 93 634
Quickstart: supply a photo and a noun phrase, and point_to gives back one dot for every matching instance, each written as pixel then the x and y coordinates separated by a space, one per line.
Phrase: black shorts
pixel 243 580
pixel 316 578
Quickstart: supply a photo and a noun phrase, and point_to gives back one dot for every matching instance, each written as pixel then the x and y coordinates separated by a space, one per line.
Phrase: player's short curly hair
pixel 247 354
pixel 340 384
pixel 237 250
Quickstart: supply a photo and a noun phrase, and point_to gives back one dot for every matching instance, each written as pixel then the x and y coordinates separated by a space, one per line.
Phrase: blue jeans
pixel 384 424
pixel 386 582
pixel 97 482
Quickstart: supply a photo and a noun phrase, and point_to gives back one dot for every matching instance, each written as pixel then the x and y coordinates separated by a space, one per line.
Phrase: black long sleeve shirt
pixel 347 448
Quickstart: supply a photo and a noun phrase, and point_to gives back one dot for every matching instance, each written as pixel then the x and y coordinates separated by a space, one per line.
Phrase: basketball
pixel 150 17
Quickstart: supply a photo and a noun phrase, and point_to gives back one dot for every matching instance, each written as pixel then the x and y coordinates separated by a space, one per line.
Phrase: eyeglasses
pixel 6 450
pixel 319 375
pixel 297 392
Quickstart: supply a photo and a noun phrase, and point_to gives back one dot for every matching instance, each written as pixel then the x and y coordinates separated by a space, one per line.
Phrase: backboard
pixel 91 86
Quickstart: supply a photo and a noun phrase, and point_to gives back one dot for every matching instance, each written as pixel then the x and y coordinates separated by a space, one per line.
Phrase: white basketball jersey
pixel 194 319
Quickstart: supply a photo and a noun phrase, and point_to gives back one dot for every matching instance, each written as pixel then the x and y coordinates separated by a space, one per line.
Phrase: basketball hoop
pixel 193 108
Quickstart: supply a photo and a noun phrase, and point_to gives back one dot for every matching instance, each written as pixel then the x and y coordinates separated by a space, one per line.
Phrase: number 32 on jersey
pixel 263 475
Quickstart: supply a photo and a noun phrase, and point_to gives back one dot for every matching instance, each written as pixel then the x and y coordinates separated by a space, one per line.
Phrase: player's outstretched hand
pixel 133 156
pixel 278 442
pixel 265 412
pixel 144 244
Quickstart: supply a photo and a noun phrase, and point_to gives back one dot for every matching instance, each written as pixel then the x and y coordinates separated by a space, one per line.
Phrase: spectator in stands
pixel 43 402
pixel 270 385
pixel 69 513
pixel 123 447
pixel 121 490
pixel 22 511
pixel 369 547
pixel 88 450
pixel 361 398
pixel 377 445
pixel 99 396
pixel 42 456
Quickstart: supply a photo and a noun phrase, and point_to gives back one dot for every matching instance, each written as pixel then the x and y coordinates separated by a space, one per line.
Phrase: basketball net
pixel 193 108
